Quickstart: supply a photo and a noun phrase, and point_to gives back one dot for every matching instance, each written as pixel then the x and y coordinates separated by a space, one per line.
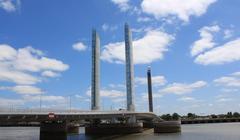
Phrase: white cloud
pixel 50 74
pixel 228 90
pixel 108 93
pixel 229 52
pixel 236 74
pixel 21 65
pixel 206 40
pixel 147 49
pixel 22 89
pixel 228 33
pixel 79 46
pixel 120 86
pixel 122 4
pixel 9 5
pixel 30 59
pixel 182 9
pixel 10 102
pixel 17 77
pixel 233 80
pixel 156 80
pixel 154 95
pixel 224 99
pixel 119 100
pixel 106 27
pixel 45 98
pixel 112 93
pixel 187 99
pixel 143 19
pixel 182 88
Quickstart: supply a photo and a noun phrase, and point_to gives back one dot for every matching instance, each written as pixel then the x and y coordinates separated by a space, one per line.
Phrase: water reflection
pixel 53 136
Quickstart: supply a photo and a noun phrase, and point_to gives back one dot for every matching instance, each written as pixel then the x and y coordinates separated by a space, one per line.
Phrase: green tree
pixel 236 115
pixel 175 116
pixel 191 115
pixel 214 116
pixel 166 117
pixel 229 115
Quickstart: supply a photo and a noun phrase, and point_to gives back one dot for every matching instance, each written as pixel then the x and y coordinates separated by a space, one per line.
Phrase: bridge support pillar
pixel 53 127
pixel 167 127
pixel 148 124
pixel 72 128
pixel 132 119
pixel 58 127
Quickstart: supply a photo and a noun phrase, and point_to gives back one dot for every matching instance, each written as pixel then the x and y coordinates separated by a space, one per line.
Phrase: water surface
pixel 219 131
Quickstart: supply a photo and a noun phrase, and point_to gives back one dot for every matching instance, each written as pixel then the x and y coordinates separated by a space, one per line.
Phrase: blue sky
pixel 192 46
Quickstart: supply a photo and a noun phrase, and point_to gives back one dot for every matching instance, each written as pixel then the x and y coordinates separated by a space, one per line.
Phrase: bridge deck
pixel 35 116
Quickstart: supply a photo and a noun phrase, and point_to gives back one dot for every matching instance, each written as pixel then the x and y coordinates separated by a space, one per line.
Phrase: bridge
pixel 37 116
pixel 101 122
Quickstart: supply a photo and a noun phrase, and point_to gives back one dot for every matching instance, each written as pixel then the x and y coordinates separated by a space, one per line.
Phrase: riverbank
pixel 215 120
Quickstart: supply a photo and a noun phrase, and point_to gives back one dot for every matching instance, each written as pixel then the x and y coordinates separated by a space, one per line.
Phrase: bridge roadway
pixel 41 116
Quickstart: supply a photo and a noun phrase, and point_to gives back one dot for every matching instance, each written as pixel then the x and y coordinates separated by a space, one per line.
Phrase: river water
pixel 219 131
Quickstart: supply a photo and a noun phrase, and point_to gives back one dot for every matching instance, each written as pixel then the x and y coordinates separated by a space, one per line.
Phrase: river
pixel 218 131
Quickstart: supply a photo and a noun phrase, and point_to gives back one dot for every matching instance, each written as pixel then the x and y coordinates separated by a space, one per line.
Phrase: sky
pixel 192 47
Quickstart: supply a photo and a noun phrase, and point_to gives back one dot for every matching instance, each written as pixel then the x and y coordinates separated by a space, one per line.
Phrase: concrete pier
pixel 72 128
pixel 116 128
pixel 167 127
pixel 53 127
pixel 58 127
pixel 148 125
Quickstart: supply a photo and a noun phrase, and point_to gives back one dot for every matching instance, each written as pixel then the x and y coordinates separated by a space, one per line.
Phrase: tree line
pixel 176 116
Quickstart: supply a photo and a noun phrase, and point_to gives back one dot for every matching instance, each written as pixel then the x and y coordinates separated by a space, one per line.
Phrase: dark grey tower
pixel 149 78
pixel 95 70
pixel 129 68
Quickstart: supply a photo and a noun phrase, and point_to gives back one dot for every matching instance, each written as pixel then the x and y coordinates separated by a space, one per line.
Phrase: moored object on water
pixel 167 127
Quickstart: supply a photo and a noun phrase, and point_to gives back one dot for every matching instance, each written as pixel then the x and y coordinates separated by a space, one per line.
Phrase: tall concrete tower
pixel 129 68
pixel 95 70
pixel 149 79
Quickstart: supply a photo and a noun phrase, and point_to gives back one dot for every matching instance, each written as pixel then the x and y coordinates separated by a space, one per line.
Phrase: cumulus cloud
pixel 183 88
pixel 206 40
pixel 232 80
pixel 122 4
pixel 79 46
pixel 22 89
pixel 228 33
pixel 108 93
pixel 187 99
pixel 149 48
pixel 154 95
pixel 229 52
pixel 107 27
pixel 17 77
pixel 9 5
pixel 4 102
pixel 182 9
pixel 24 67
pixel 143 19
pixel 45 98
pixel 50 74
pixel 156 80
